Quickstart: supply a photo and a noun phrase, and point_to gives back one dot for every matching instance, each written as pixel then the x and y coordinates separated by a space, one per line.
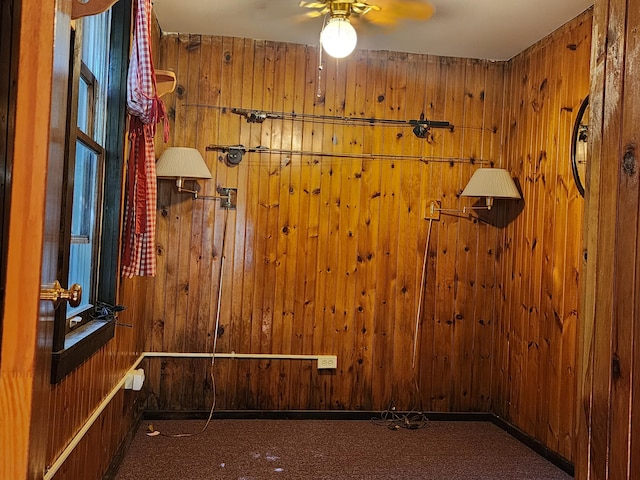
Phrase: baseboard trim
pixel 535 445
pixel 305 415
pixel 515 432
pixel 118 457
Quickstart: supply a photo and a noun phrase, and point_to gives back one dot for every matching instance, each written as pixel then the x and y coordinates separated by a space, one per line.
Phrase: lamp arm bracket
pixel 450 210
pixel 485 207
pixel 193 192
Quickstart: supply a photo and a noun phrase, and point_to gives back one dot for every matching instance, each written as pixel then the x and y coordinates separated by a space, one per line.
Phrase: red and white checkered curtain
pixel 145 109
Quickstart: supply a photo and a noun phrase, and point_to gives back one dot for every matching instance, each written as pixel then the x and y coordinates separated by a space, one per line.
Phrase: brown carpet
pixel 327 449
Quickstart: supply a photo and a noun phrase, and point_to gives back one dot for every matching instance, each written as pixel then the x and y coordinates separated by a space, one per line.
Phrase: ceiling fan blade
pixel 365 28
pixel 392 11
pixel 364 5
pixel 306 16
pixel 317 13
pixel 363 8
pixel 312 4
pixel 382 13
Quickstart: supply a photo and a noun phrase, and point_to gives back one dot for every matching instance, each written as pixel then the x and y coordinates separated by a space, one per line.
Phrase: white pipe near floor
pixel 265 356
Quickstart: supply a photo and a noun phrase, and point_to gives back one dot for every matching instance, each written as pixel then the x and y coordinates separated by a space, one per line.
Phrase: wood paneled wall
pixel 540 260
pixel 324 254
pixel 608 387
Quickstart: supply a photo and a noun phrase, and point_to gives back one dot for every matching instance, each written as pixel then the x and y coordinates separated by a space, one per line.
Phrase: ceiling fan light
pixel 338 37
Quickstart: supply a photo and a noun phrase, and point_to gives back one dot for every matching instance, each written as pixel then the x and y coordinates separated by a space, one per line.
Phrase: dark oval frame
pixel 574 142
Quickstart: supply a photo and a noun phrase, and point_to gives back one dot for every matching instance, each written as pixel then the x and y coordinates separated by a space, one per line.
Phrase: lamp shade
pixel 491 183
pixel 338 37
pixel 181 162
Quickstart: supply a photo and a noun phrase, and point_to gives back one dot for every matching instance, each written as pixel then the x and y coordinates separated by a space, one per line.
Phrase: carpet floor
pixel 328 449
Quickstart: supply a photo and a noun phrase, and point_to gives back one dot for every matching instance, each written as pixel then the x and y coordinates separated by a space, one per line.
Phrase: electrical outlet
pixel 327 362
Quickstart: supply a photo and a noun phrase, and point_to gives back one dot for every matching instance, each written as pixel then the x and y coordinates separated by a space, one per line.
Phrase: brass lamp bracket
pixel 181 189
pixel 488 206
pixel 431 209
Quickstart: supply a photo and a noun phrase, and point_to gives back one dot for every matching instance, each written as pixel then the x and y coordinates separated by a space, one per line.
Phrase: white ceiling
pixel 489 29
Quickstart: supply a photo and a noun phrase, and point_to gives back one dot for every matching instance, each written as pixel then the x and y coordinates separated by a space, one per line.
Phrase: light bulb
pixel 338 37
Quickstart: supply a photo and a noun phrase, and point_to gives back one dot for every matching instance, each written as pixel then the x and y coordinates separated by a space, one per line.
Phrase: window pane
pixel 83 107
pixel 95 55
pixel 84 219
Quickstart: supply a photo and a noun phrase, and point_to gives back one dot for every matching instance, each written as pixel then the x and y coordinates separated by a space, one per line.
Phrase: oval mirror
pixel 579 157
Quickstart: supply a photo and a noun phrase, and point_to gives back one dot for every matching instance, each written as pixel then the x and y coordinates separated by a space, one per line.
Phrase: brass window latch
pixel 56 294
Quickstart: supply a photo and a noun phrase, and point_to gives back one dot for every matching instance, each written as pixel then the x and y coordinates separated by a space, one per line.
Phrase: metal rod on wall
pixel 259 116
pixel 277 151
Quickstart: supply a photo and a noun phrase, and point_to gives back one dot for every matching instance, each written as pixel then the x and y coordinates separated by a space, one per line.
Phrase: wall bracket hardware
pixel 431 209
pixel 227 197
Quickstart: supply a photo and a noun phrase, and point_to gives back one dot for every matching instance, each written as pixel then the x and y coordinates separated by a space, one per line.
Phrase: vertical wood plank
pixel 630 138
pixel 308 237
pixel 281 139
pixel 191 386
pixel 433 108
pixel 623 155
pixel 605 310
pixel 200 300
pixel 245 232
pixel 361 386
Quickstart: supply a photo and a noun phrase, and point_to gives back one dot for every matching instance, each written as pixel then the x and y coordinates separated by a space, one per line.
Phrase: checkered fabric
pixel 146 109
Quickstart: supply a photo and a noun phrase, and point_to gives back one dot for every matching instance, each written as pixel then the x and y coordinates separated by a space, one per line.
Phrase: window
pixel 87 169
pixel 94 166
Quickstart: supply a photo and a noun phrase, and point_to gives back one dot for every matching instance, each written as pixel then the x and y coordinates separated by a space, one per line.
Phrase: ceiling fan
pixel 339 38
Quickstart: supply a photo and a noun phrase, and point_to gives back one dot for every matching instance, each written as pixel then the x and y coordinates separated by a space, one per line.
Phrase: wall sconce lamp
pixel 182 163
pixel 187 163
pixel 489 183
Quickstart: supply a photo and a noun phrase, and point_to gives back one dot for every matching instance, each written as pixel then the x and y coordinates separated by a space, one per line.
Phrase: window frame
pixel 97 150
pixel 71 349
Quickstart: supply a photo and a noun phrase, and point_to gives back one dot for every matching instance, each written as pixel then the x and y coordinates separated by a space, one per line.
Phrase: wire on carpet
pixel 394 420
